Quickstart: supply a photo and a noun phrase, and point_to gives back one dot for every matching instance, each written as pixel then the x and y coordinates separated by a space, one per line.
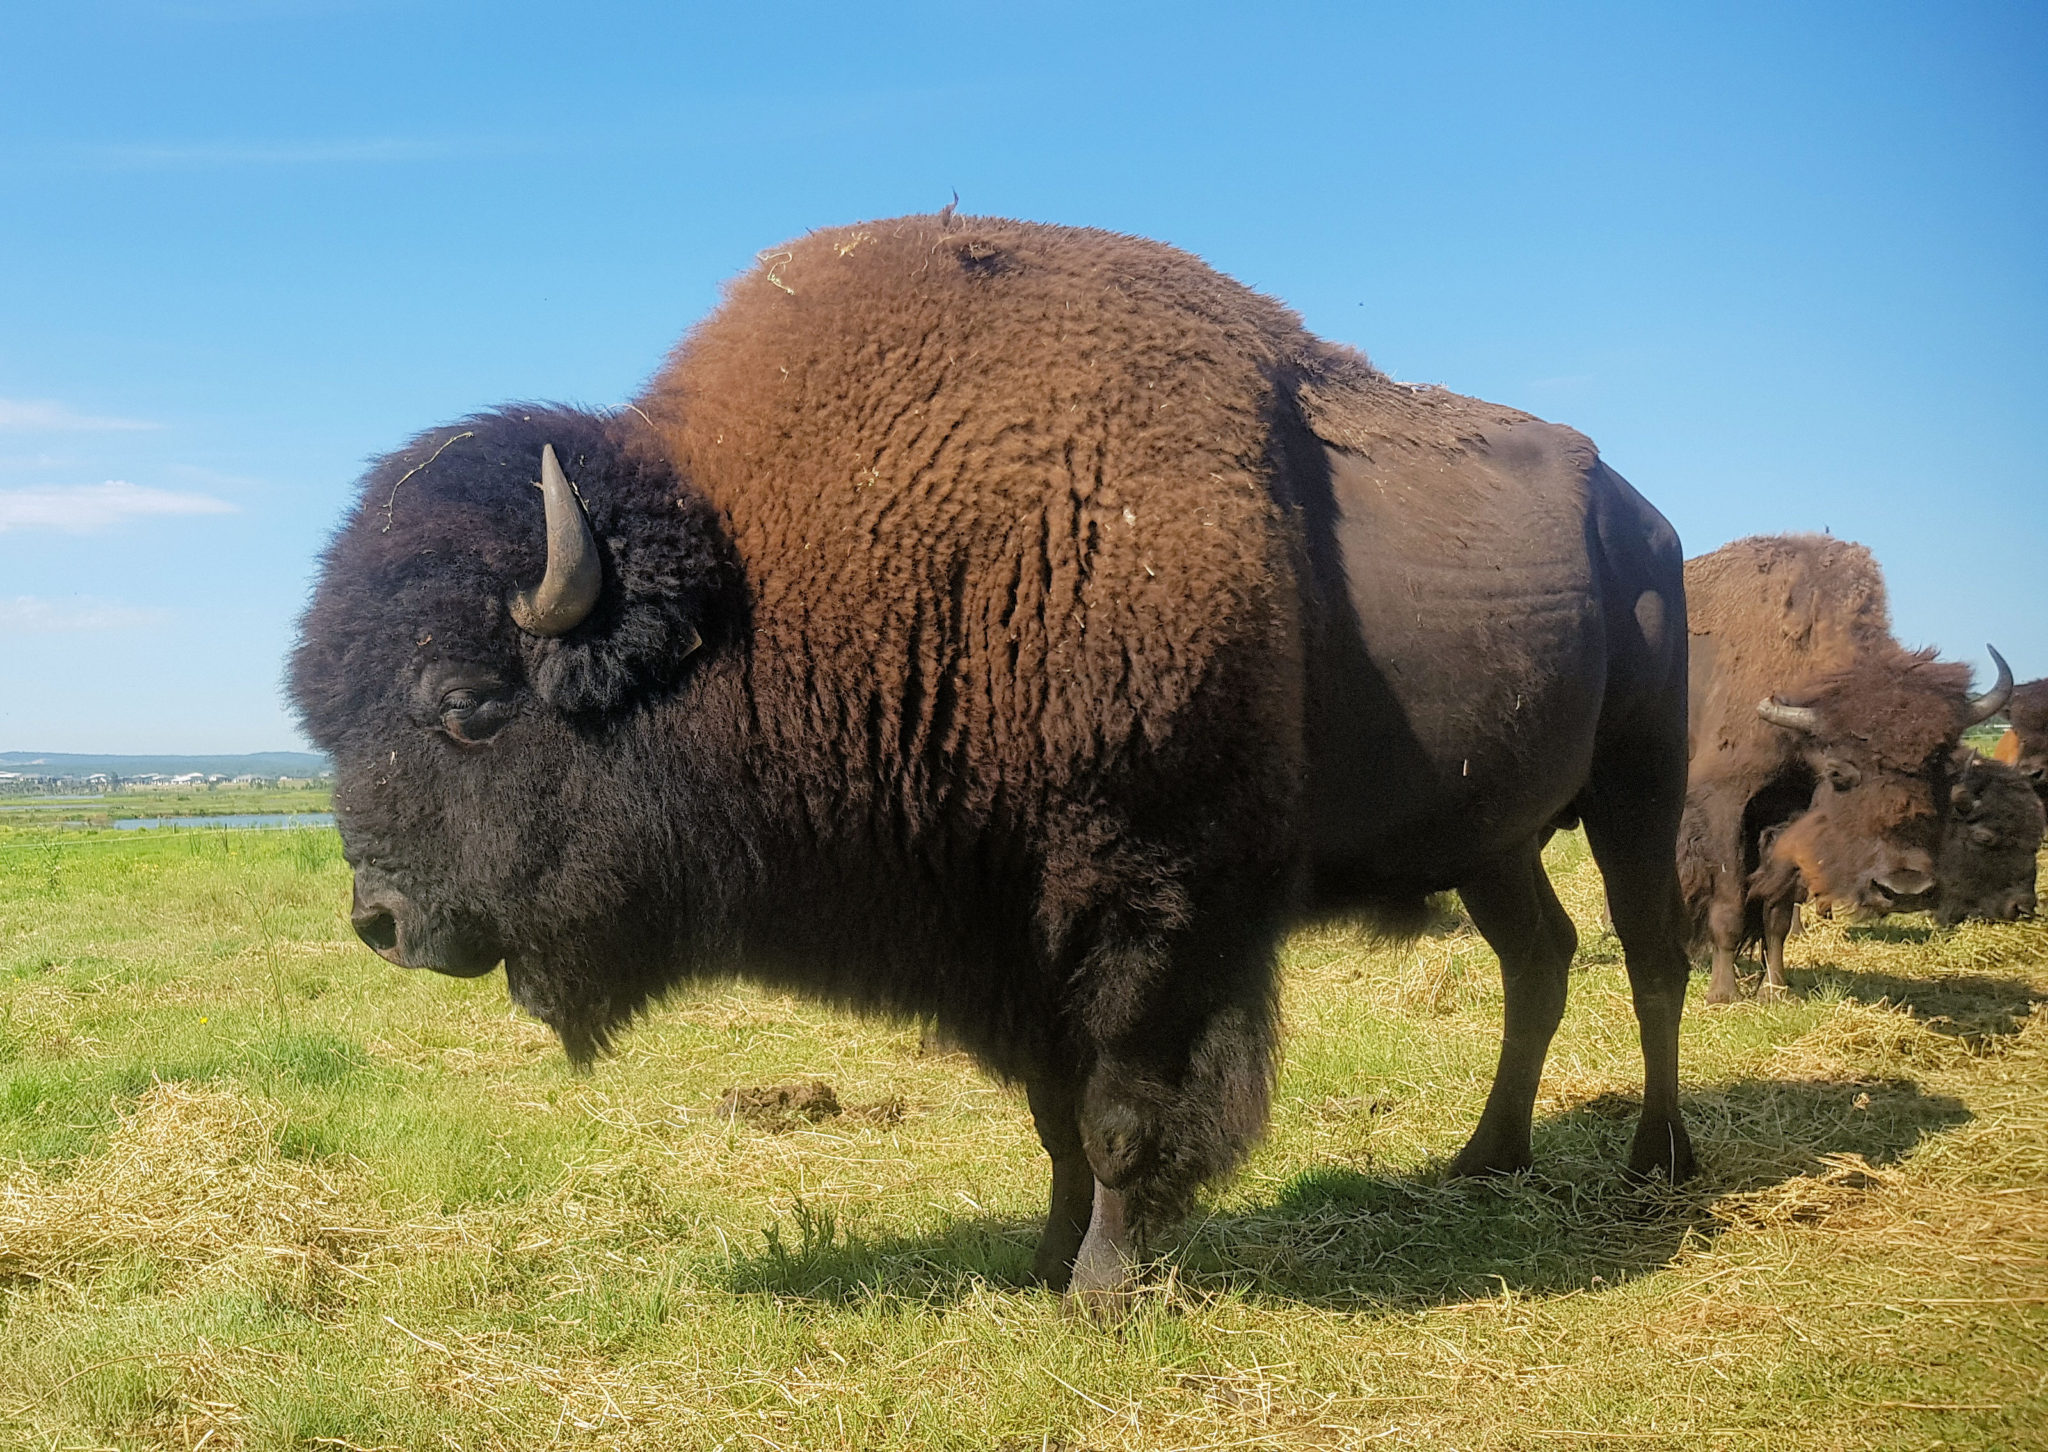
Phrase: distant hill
pixel 256 763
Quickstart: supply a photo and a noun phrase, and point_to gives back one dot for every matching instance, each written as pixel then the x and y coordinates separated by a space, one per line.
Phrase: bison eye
pixel 470 715
pixel 1842 776
pixel 1983 836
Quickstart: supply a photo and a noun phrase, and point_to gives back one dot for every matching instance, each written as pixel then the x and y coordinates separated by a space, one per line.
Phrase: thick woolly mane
pixel 1902 707
pixel 1991 796
pixel 1768 614
pixel 1990 844
pixel 442 525
pixel 1814 595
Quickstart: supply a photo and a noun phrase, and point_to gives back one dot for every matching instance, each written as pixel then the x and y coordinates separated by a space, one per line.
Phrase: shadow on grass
pixel 1341 1238
pixel 1974 1007
pixel 1913 929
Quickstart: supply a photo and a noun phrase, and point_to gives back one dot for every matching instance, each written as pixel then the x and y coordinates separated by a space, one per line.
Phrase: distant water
pixel 242 819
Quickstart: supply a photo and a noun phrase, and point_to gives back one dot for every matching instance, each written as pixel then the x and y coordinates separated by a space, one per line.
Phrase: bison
pixel 2024 746
pixel 1816 737
pixel 1990 841
pixel 1990 846
pixel 1019 627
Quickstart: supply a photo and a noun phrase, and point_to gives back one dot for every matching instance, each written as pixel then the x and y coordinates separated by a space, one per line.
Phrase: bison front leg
pixel 1179 1032
pixel 1778 916
pixel 1726 914
pixel 1055 1110
pixel 1514 908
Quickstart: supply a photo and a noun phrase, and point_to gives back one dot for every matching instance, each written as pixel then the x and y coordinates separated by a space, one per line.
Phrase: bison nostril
pixel 376 927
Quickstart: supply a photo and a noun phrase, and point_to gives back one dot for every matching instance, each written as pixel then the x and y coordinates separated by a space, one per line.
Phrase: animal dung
pixel 779 1104
pixel 782 1107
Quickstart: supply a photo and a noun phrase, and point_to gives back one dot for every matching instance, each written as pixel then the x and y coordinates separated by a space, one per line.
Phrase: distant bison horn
pixel 568 590
pixel 1795 718
pixel 1984 707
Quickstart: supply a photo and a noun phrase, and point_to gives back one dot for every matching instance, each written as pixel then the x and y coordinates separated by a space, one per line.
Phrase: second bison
pixel 1818 742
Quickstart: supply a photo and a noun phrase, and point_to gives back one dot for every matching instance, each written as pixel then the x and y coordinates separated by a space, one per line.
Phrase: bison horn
pixel 1984 707
pixel 1793 718
pixel 568 590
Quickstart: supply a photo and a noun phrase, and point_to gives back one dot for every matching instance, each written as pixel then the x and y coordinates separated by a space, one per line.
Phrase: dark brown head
pixel 497 632
pixel 1990 847
pixel 1878 740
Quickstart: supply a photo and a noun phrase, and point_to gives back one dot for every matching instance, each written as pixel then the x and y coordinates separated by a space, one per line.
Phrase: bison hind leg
pixel 1516 911
pixel 1631 822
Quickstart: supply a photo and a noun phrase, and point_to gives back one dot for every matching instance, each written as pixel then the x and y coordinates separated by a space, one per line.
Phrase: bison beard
pixel 1018 627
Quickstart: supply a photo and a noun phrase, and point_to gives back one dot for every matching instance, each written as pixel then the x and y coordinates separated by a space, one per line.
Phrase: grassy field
pixel 261 1190
pixel 23 814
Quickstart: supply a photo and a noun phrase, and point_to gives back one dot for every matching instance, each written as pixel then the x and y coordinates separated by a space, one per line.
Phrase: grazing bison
pixel 1990 845
pixel 1811 724
pixel 1990 842
pixel 1017 626
pixel 2024 746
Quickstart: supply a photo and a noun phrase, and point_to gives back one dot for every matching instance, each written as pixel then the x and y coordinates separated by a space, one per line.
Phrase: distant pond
pixel 243 819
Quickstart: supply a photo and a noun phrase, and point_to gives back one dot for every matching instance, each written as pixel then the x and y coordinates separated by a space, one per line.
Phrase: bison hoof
pixel 1104 1280
pixel 1478 1158
pixel 1056 1276
pixel 1662 1150
pixel 1774 993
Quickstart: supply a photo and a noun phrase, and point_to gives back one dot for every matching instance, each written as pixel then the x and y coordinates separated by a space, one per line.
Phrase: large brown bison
pixel 2024 746
pixel 1814 734
pixel 1017 626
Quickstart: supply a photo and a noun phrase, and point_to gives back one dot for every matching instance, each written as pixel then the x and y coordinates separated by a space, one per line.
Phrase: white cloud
pixel 42 415
pixel 33 615
pixel 82 507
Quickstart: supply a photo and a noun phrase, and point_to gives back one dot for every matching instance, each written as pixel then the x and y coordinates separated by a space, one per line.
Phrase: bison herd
pixel 1022 628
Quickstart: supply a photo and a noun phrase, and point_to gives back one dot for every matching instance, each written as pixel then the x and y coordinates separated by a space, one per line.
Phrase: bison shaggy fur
pixel 979 639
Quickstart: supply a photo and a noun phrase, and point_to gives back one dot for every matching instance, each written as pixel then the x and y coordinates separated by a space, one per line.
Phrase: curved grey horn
pixel 568 590
pixel 1984 707
pixel 1795 718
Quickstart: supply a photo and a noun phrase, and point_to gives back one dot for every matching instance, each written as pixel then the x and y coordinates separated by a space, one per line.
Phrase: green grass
pixel 25 818
pixel 260 1190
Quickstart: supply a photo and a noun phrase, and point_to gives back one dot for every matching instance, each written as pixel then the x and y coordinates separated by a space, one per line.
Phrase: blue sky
pixel 1788 265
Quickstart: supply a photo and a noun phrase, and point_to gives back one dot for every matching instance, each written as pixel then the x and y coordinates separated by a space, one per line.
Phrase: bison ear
pixel 668 601
pixel 636 648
